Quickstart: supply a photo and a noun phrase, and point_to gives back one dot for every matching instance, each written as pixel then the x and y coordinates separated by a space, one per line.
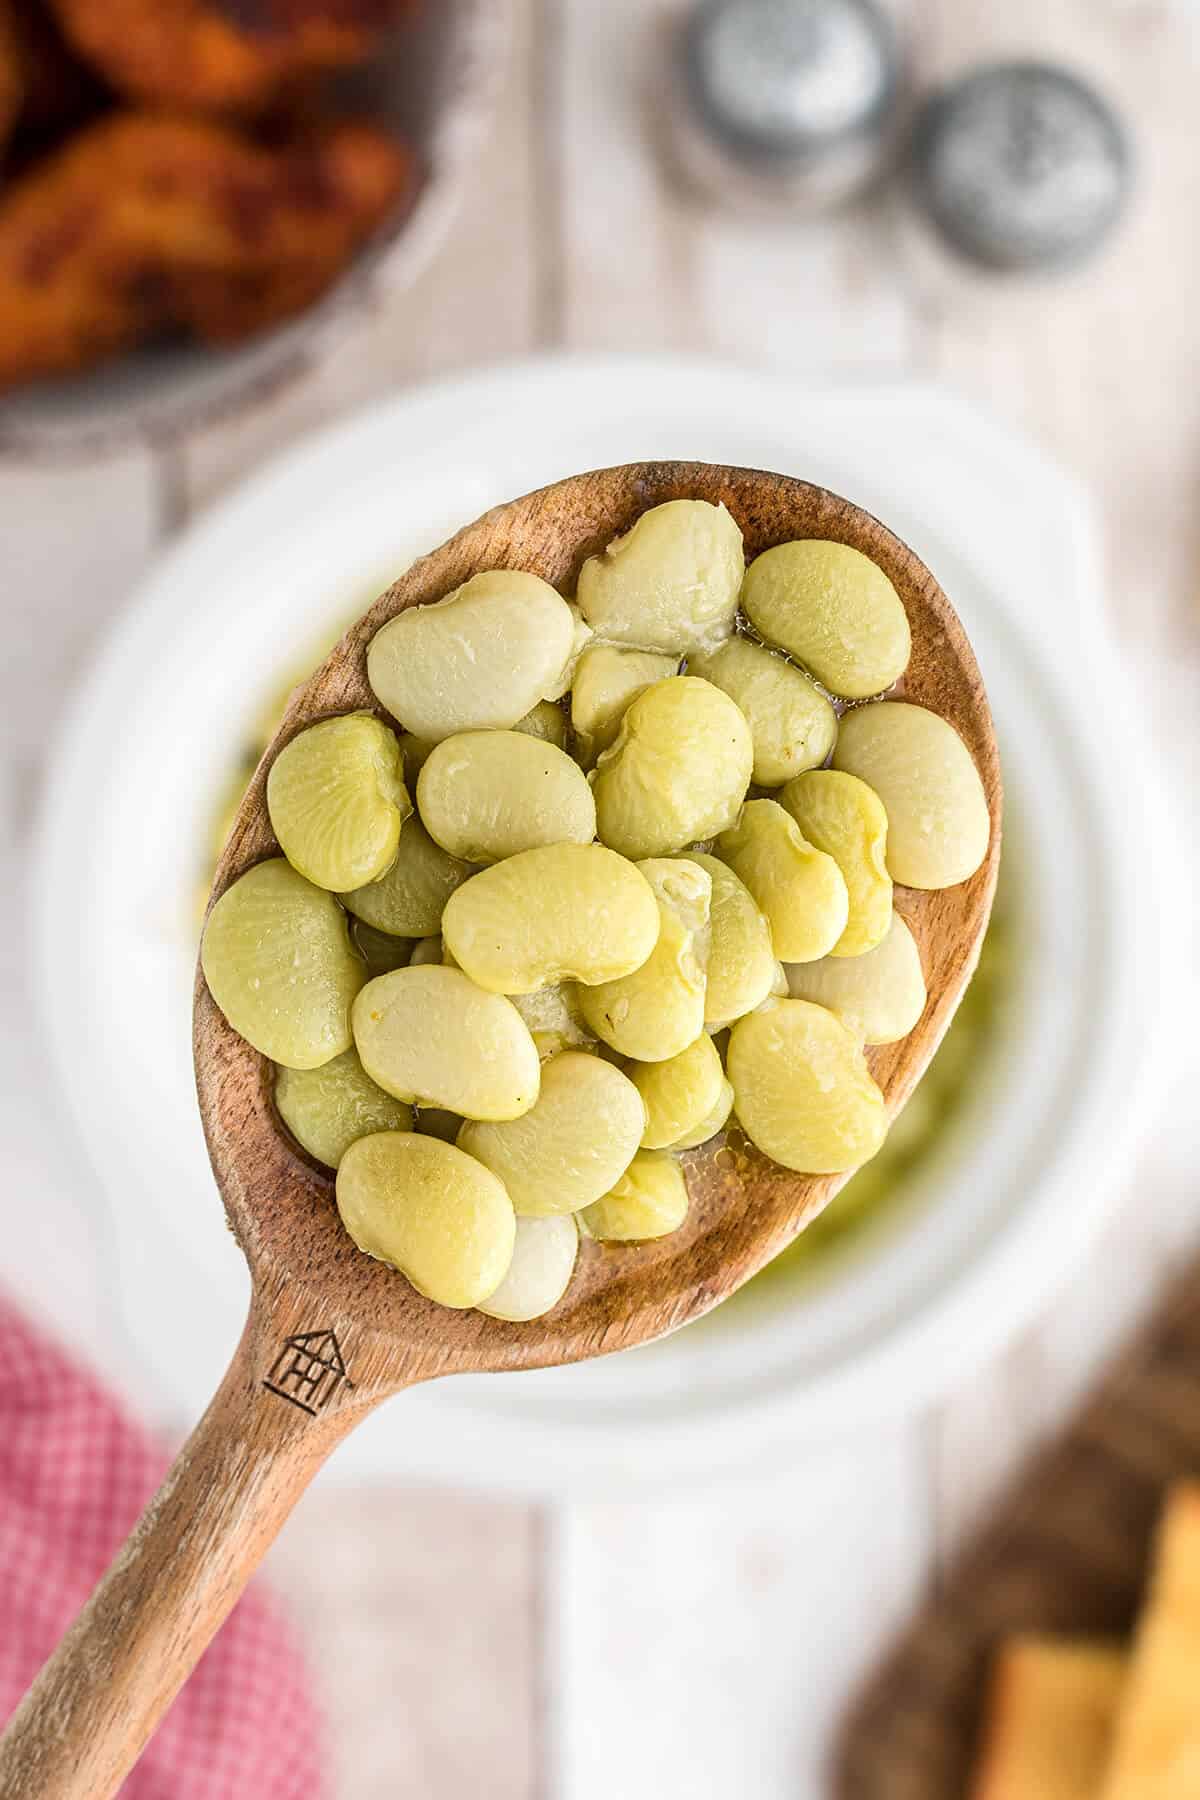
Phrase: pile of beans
pixel 609 872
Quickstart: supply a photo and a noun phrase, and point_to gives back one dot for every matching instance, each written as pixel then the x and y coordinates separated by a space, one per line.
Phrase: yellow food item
pixel 680 1094
pixel 337 801
pixel 670 583
pixel 742 969
pixel 425 951
pixel 547 721
pixel 658 1009
pixel 540 1272
pixel 485 795
pixel 439 1122
pixel 574 912
pixel 802 1090
pixel 834 610
pixel 416 750
pixel 409 899
pixel 478 660
pixel 708 1127
pixel 649 1201
pixel 430 1211
pixel 938 823
pixel 379 950
pixel 677 771
pixel 430 1036
pixel 555 1019
pixel 572 1145
pixel 879 995
pixel 607 679
pixel 1156 1744
pixel 800 890
pixel 1048 1719
pixel 277 958
pixel 842 816
pixel 327 1109
pixel 792 723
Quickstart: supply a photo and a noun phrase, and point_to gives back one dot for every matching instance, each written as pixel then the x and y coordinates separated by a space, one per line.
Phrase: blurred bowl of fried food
pixel 197 196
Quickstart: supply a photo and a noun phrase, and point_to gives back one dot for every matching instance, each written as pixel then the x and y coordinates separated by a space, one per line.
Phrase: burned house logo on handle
pixel 308 1371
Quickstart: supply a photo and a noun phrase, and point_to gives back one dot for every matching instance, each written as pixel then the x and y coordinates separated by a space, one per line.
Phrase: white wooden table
pixel 702 1645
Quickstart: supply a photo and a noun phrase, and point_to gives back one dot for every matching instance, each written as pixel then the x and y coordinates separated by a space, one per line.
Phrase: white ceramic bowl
pixel 435 85
pixel 1023 1181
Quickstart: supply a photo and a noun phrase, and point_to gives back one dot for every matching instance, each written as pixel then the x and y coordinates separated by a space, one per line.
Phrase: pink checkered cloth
pixel 75 1472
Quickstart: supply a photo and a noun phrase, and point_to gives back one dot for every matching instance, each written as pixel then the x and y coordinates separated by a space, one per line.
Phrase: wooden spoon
pixel 330 1333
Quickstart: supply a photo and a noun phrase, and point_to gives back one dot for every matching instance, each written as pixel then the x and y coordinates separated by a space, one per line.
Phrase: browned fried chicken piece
pixel 224 54
pixel 147 223
pixel 58 91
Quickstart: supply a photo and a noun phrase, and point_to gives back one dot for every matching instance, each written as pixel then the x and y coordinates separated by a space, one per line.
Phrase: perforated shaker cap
pixel 784 80
pixel 1022 166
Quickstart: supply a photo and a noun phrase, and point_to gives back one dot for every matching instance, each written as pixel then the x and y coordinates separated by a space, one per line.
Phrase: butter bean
pixel 571 1146
pixel 834 610
pixel 427 950
pixel 938 823
pixel 478 660
pixel 430 1036
pixel 799 889
pixel 555 1019
pixel 337 800
pixel 802 1089
pixel 708 1128
pixel 843 817
pixel 649 1201
pixel 439 1122
pixel 792 723
pixel 607 679
pixel 540 1272
pixel 677 772
pixel 879 995
pixel 658 1009
pixel 277 958
pixel 408 901
pixel 670 583
pixel 379 950
pixel 430 1211
pixel 415 750
pixel 328 1109
pixel 547 721
pixel 742 969
pixel 485 795
pixel 679 1094
pixel 573 912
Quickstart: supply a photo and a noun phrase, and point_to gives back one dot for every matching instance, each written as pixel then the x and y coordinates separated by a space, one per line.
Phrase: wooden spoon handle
pixel 87 1717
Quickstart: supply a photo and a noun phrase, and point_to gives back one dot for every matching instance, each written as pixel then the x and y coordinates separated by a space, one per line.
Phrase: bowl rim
pixel 484 34
pixel 450 1434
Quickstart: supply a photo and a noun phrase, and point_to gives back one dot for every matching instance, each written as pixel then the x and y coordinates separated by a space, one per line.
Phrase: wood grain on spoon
pixel 332 1333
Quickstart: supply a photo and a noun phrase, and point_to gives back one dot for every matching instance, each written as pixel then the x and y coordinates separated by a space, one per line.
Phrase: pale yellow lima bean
pixel 938 823
pixel 430 1211
pixel 670 583
pixel 800 891
pixel 430 1036
pixel 658 1009
pixel 575 912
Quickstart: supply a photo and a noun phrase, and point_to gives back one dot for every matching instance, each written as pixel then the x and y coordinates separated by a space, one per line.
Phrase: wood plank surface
pixel 702 1643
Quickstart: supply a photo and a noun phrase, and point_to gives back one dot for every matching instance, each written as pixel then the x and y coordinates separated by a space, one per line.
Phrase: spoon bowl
pixel 331 1333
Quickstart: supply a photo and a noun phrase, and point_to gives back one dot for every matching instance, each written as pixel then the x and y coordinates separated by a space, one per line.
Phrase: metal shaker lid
pixel 782 80
pixel 1022 165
